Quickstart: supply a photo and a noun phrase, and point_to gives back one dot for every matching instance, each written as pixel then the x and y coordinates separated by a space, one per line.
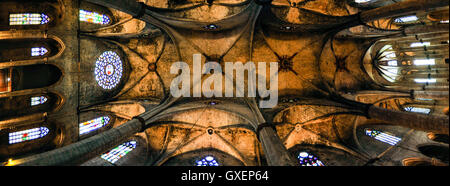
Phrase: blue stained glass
pixel 94 124
pixel 38 100
pixel 308 159
pixel 418 110
pixel 108 70
pixel 382 136
pixel 120 151
pixel 406 19
pixel 207 161
pixel 27 135
pixel 38 51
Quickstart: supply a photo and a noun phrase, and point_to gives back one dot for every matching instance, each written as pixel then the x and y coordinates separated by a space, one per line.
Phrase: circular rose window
pixel 108 70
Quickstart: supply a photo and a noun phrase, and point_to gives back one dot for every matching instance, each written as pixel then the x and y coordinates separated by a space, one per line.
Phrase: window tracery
pixel 91 125
pixel 108 70
pixel 94 17
pixel 28 135
pixel 382 136
pixel 28 19
pixel 309 159
pixel 207 161
pixel 120 151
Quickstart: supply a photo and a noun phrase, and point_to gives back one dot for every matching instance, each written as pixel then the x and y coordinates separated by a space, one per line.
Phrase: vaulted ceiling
pixel 323 52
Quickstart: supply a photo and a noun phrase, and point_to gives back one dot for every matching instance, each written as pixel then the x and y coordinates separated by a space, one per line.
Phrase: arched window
pixel 38 100
pixel 421 62
pixel 388 63
pixel 382 136
pixel 308 159
pixel 406 19
pixel 423 80
pixel 362 1
pixel 418 110
pixel 94 124
pixel 38 51
pixel 108 70
pixel 207 161
pixel 94 17
pixel 28 19
pixel 27 135
pixel 120 151
pixel 420 44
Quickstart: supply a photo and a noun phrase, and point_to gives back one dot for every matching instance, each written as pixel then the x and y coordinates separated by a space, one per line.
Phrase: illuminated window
pixel 38 100
pixel 419 44
pixel 308 159
pixel 119 152
pixel 424 99
pixel 418 110
pixel 425 80
pixel 27 135
pixel 406 19
pixel 362 1
pixel 424 62
pixel 392 63
pixel 108 70
pixel 207 161
pixel 445 21
pixel 94 17
pixel 94 124
pixel 38 51
pixel 383 137
pixel 28 19
pixel 389 72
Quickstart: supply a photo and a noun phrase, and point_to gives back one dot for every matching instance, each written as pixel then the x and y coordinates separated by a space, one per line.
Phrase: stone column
pixel 86 149
pixel 274 150
pixel 438 95
pixel 276 153
pixel 423 122
pixel 401 8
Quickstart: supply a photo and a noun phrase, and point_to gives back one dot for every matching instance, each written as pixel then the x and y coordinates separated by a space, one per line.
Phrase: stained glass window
pixel 108 70
pixel 419 80
pixel 308 159
pixel 119 152
pixel 419 44
pixel 28 19
pixel 382 136
pixel 94 17
pixel 38 51
pixel 38 100
pixel 207 161
pixel 406 19
pixel 27 135
pixel 419 62
pixel 94 124
pixel 389 72
pixel 418 110
pixel 424 99
pixel 393 63
pixel 362 1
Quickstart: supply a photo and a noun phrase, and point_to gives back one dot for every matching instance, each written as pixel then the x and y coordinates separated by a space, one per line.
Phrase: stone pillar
pixel 438 95
pixel 429 123
pixel 86 149
pixel 401 8
pixel 274 150
pixel 276 153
